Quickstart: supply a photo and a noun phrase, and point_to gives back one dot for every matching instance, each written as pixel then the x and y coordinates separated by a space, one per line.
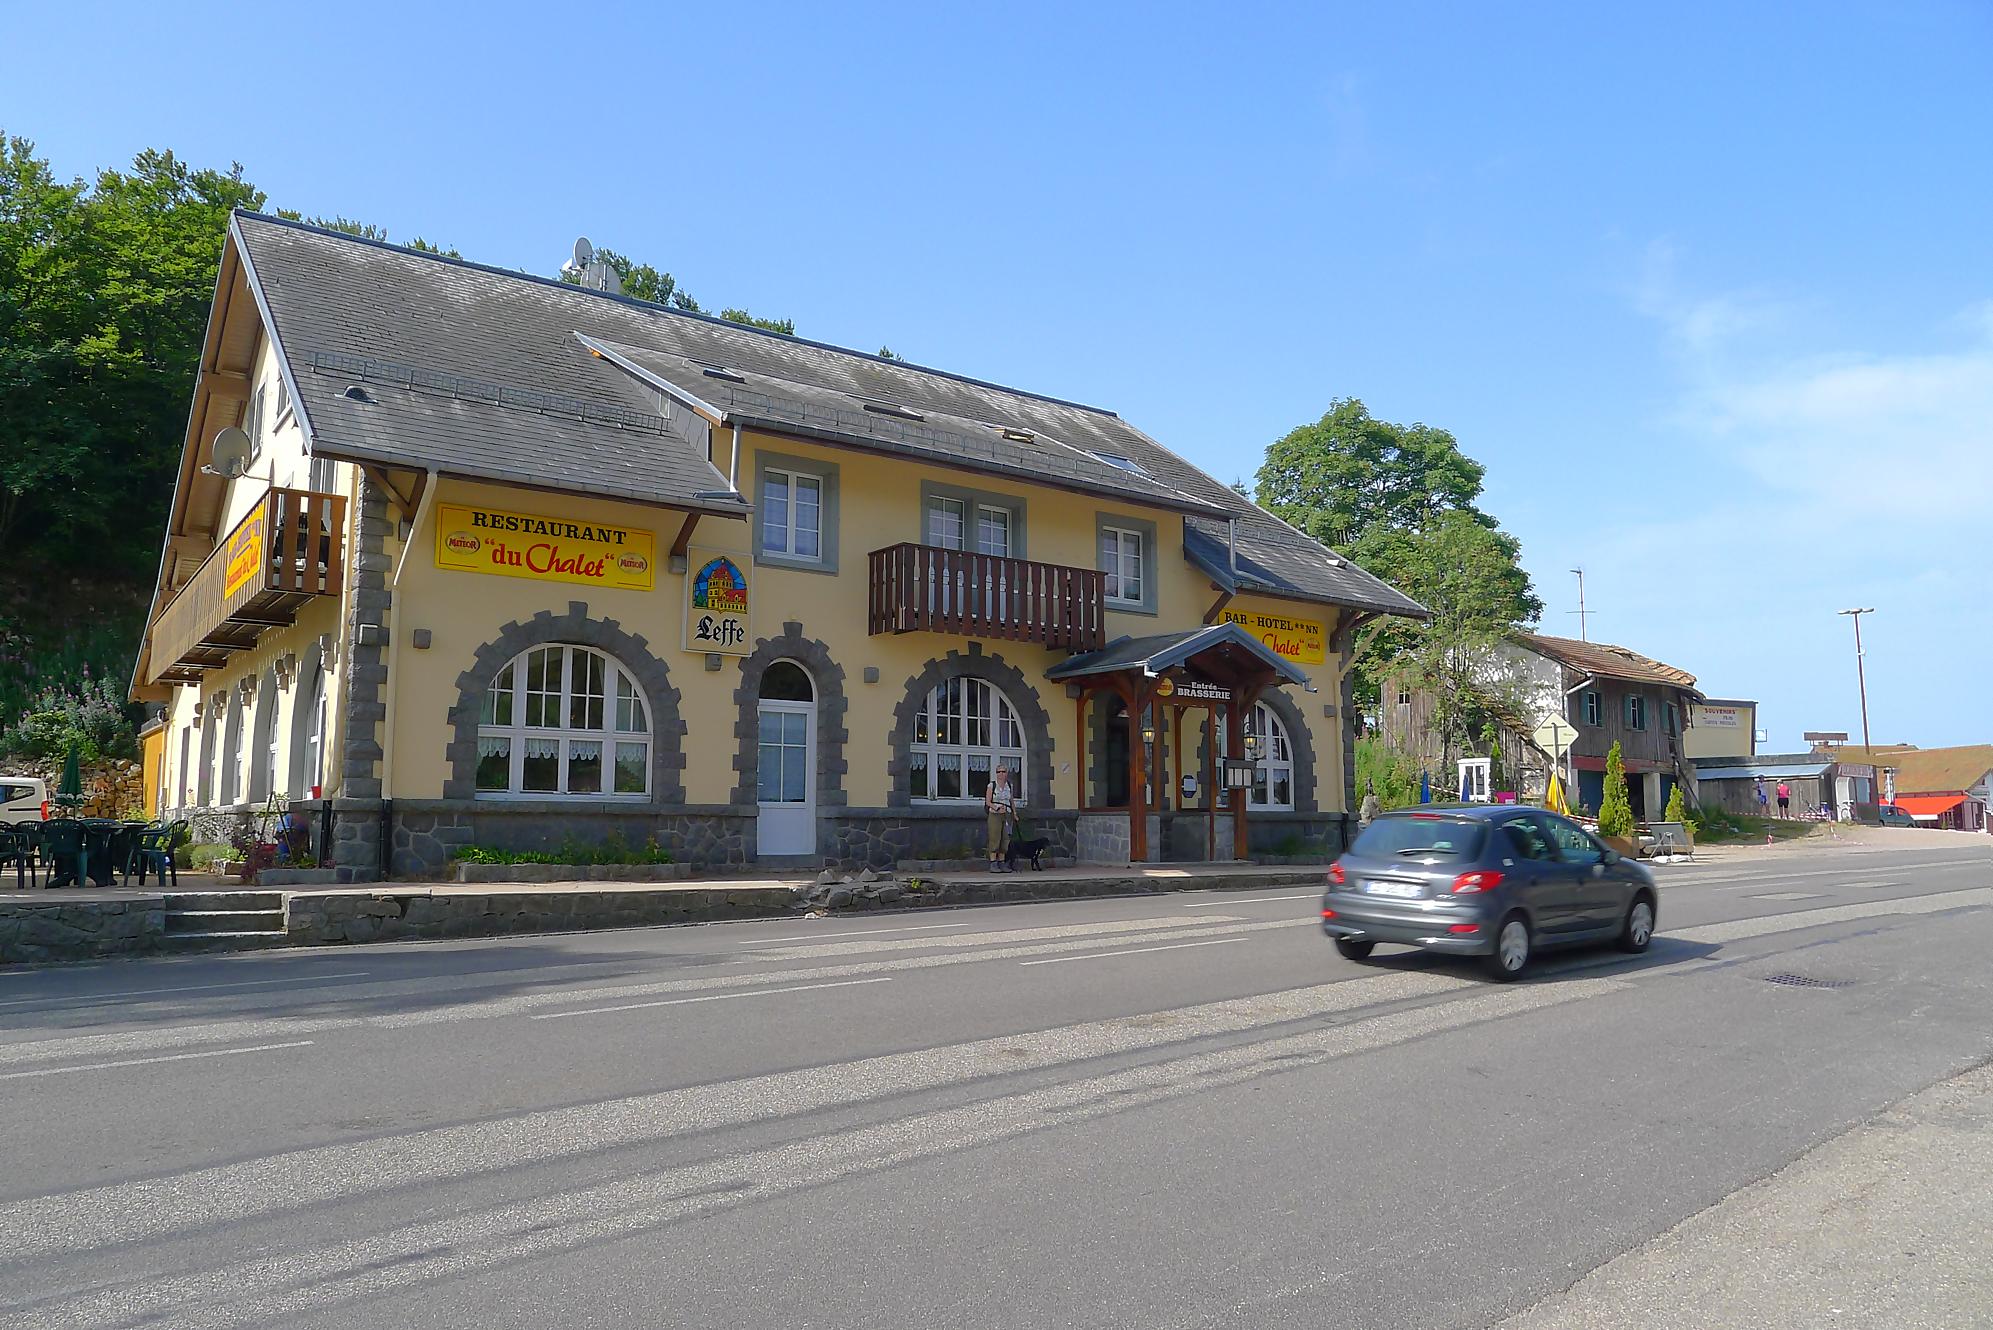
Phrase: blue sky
pixel 1707 288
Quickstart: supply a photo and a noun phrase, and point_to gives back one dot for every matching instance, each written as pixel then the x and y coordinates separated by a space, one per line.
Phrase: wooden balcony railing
pixel 924 588
pixel 285 550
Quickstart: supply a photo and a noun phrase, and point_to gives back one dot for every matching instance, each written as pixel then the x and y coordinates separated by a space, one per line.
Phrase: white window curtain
pixel 564 721
pixel 965 727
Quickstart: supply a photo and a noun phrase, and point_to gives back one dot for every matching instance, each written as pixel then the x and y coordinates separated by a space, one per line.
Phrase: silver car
pixel 1496 881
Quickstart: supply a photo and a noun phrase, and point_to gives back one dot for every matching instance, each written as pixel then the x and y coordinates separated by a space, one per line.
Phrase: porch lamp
pixel 1255 747
pixel 1149 734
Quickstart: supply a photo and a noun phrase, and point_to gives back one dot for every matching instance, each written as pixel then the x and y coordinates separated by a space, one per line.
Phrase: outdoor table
pixel 103 835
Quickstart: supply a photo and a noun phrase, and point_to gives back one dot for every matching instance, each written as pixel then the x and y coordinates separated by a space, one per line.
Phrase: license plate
pixel 1399 889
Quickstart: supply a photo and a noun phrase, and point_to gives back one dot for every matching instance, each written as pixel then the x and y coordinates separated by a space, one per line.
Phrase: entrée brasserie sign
pixel 544 549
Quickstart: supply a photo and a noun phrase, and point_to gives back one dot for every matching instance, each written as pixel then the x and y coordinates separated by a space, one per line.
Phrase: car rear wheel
pixel 1355 948
pixel 1638 930
pixel 1512 947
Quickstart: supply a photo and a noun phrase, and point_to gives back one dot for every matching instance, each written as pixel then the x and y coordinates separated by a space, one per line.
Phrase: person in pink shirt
pixel 1784 799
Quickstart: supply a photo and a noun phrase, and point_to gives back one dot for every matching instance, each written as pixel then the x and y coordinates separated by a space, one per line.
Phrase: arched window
pixel 210 727
pixel 964 728
pixel 231 750
pixel 309 718
pixel 1273 777
pixel 268 743
pixel 782 765
pixel 564 720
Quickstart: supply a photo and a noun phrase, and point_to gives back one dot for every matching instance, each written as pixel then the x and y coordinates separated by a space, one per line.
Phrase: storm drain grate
pixel 1806 981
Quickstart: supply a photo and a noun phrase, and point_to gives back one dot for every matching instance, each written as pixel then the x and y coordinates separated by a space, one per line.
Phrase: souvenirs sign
pixel 1302 641
pixel 716 595
pixel 245 552
pixel 544 549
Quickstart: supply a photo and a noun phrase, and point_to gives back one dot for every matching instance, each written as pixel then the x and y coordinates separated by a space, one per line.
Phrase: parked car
pixel 23 797
pixel 1491 881
pixel 1889 815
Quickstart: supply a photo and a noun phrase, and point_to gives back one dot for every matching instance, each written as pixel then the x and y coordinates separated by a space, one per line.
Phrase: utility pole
pixel 1583 636
pixel 1861 675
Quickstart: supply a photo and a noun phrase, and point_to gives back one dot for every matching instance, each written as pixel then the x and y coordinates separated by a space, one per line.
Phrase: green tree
pixel 1392 774
pixel 887 353
pixel 649 283
pixel 1615 809
pixel 1349 475
pixel 104 294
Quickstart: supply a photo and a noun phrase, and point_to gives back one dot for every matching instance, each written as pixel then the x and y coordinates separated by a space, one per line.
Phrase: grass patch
pixel 610 850
pixel 1717 827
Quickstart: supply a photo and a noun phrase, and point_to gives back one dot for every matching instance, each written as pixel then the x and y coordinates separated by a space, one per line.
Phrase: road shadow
pixel 1549 966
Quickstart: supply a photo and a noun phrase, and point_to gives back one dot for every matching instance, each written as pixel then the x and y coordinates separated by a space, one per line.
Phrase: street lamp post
pixel 1861 675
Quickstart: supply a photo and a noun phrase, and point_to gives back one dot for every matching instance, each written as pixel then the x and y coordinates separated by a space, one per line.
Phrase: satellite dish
pixel 230 455
pixel 608 279
pixel 584 253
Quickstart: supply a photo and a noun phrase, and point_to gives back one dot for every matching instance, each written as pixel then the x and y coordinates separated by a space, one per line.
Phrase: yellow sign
pixel 245 553
pixel 716 603
pixel 545 549
pixel 1302 641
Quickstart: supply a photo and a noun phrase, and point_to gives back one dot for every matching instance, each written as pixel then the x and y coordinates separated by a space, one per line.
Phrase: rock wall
pixel 69 931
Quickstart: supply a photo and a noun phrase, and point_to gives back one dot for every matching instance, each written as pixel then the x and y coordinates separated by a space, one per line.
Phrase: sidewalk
pixel 1889 1227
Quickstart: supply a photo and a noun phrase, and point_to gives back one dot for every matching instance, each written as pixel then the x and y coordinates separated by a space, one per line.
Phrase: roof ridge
pixel 700 317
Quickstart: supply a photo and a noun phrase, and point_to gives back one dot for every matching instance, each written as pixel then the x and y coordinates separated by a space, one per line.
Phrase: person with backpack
pixel 1000 811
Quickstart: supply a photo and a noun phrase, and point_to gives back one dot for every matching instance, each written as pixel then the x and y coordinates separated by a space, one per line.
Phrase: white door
pixel 786 773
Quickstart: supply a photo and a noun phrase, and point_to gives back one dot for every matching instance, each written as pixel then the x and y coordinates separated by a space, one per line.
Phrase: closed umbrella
pixel 70 792
pixel 1554 799
pixel 1425 788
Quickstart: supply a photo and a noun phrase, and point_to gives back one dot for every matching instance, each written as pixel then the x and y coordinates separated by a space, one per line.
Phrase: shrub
pixel 1678 811
pixel 1391 773
pixel 201 858
pixel 90 716
pixel 1616 809
pixel 612 850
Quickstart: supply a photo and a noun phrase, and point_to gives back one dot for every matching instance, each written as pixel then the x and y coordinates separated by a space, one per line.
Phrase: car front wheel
pixel 1511 954
pixel 1354 948
pixel 1638 930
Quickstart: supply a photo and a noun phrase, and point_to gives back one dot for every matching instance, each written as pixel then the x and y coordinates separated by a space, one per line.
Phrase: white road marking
pixel 1132 951
pixel 1252 900
pixel 1789 896
pixel 1777 876
pixel 287 1285
pixel 223 1193
pixel 146 1062
pixel 184 988
pixel 708 997
pixel 858 932
pixel 1738 929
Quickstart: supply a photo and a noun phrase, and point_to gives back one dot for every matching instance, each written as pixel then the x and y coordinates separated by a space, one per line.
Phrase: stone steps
pixel 224 920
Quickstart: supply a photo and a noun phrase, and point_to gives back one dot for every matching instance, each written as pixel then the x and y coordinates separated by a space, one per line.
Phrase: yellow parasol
pixel 1554 799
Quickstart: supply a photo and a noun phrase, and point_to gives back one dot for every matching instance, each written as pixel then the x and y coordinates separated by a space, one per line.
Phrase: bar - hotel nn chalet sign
pixel 1302 641
pixel 716 595
pixel 245 552
pixel 544 549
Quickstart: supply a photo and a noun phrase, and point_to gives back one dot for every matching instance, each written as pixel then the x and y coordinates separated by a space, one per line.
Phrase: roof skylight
pixel 1120 462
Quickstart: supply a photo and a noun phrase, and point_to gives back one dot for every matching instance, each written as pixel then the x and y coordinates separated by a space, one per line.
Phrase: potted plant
pixel 1616 809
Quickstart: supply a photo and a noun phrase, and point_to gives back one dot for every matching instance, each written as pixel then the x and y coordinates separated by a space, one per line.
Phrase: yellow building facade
pixel 517 564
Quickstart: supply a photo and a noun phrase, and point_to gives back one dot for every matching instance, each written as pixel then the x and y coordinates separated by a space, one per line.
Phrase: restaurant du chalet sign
pixel 716 603
pixel 245 552
pixel 1302 641
pixel 544 549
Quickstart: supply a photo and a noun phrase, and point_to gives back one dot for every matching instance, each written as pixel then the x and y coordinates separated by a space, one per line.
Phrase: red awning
pixel 1928 805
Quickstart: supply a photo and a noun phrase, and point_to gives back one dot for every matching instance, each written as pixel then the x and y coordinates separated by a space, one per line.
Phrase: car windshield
pixel 1421 834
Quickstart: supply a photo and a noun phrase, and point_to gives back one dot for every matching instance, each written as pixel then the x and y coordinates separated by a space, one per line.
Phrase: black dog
pixel 1032 849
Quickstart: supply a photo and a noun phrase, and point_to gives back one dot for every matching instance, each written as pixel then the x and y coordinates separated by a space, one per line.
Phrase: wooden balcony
pixel 285 550
pixel 927 589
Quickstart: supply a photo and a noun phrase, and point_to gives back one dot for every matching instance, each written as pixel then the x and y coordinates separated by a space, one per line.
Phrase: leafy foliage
pixel 1678 811
pixel 90 716
pixel 1401 501
pixel 1392 774
pixel 1615 809
pixel 612 849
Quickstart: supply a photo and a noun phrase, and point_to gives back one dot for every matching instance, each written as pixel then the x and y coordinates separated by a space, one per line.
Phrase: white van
pixel 23 798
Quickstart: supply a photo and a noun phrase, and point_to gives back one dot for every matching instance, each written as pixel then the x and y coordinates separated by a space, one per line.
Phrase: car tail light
pixel 1478 880
pixel 1463 928
pixel 1336 874
pixel 44 810
pixel 1328 914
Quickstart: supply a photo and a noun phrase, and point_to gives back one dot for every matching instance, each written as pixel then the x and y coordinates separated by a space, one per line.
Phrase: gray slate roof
pixel 485 373
pixel 1164 651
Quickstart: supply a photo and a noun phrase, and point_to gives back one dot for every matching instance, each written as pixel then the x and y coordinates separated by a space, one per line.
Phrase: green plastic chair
pixel 68 851
pixel 17 850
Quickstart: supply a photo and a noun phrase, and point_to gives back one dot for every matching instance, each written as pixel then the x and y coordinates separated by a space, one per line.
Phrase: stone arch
pixel 1300 741
pixel 974 664
pixel 828 676
pixel 667 746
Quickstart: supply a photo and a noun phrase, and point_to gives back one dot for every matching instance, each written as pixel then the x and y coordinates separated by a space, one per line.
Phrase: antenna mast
pixel 1583 635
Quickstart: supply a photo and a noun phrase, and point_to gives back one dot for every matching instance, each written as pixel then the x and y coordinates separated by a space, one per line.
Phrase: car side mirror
pixel 1609 858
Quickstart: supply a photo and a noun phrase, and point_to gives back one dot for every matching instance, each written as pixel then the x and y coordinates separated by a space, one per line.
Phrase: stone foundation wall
pixel 1300 834
pixel 71 931
pixel 317 919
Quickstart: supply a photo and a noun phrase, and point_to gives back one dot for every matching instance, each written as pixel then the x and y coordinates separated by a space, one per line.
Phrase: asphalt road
pixel 1180 1110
